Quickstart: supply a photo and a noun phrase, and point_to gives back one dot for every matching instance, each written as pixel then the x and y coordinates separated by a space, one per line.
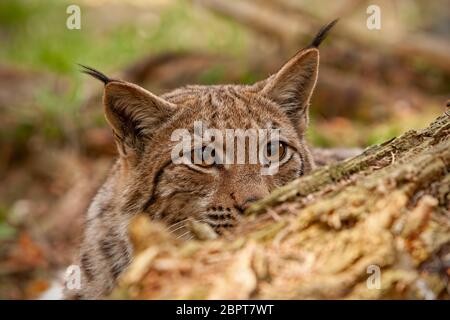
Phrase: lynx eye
pixel 203 157
pixel 276 151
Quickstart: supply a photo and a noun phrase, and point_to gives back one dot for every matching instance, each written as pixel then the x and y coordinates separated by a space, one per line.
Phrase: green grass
pixel 37 37
pixel 7 232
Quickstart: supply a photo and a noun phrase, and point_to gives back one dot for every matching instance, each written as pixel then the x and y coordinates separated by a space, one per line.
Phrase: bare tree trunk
pixel 374 226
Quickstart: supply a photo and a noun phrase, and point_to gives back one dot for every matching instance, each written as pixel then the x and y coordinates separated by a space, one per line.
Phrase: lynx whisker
pixel 171 231
pixel 170 227
pixel 181 236
pixel 176 229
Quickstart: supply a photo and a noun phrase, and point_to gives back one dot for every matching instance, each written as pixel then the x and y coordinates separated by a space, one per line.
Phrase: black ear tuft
pixel 322 34
pixel 94 73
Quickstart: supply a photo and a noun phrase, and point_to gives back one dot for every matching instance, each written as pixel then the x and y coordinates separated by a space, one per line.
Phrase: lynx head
pixel 147 178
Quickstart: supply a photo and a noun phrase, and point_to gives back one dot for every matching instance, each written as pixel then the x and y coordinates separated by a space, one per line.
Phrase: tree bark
pixel 375 226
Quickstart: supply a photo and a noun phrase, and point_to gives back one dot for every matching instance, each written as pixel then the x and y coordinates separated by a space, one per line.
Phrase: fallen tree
pixel 374 226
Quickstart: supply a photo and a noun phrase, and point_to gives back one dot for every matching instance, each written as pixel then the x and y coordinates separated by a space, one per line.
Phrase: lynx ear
pixel 134 113
pixel 292 86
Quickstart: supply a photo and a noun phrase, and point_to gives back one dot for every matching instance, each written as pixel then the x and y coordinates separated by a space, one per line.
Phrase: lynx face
pixel 215 194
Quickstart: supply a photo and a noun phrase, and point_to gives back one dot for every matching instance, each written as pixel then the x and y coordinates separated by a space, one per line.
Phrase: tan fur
pixel 144 179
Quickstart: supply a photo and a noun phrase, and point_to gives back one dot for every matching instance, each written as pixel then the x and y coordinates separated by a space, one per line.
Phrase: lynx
pixel 145 179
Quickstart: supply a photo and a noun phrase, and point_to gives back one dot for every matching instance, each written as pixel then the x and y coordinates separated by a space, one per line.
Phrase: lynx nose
pixel 247 202
pixel 242 202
